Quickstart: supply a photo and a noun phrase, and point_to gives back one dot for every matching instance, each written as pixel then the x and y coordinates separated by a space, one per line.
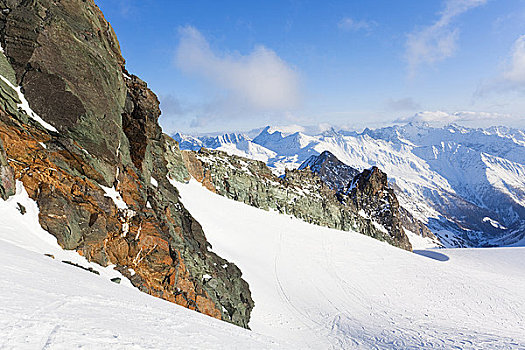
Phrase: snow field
pixel 319 288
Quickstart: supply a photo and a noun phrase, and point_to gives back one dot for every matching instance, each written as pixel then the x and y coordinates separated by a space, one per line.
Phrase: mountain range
pixel 112 237
pixel 467 185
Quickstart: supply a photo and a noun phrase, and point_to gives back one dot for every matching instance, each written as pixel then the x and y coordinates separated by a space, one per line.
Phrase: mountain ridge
pixel 464 183
pixel 300 193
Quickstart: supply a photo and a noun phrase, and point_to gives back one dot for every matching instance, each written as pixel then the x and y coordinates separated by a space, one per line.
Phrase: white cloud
pixel 350 24
pixel 511 78
pixel 515 71
pixel 439 41
pixel 427 116
pixel 440 117
pixel 259 81
pixel 305 129
pixel 403 104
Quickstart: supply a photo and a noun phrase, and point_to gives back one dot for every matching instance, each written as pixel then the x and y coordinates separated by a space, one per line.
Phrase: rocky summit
pixel 331 170
pixel 92 155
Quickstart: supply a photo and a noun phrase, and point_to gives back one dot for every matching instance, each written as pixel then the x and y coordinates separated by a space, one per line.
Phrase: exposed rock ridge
pixel 368 191
pixel 300 193
pixel 7 175
pixel 98 139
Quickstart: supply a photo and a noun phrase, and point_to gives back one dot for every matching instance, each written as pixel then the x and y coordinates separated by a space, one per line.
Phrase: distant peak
pixel 327 154
pixel 318 160
pixel 330 169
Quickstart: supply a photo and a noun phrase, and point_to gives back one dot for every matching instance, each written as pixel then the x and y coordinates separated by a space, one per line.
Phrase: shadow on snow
pixel 432 255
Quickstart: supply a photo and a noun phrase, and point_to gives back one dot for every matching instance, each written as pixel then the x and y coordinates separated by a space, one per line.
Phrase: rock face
pixel 98 139
pixel 369 193
pixel 300 193
pixel 175 164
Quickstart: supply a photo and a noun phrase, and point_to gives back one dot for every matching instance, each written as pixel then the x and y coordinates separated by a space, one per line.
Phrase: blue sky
pixel 237 65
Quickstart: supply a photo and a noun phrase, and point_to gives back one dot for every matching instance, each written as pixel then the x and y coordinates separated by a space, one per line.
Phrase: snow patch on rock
pixel 24 105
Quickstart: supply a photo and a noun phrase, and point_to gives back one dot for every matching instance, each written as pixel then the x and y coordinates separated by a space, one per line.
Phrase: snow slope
pixel 451 178
pixel 24 231
pixel 313 288
pixel 46 304
pixel 319 288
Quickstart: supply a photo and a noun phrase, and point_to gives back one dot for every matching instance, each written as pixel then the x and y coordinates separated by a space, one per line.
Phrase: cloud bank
pixel 260 80
pixel 438 41
pixel 440 117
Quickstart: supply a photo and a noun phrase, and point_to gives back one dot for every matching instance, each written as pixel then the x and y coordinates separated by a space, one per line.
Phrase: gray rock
pixel 331 170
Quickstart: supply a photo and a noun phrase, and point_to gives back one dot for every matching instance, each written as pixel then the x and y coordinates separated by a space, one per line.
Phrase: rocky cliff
pixel 300 193
pixel 7 175
pixel 81 134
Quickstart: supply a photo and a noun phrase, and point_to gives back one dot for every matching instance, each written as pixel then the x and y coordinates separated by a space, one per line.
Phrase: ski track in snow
pixel 319 288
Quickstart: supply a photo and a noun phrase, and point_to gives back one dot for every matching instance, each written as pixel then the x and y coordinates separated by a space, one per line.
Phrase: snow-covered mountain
pixel 99 249
pixel 237 144
pixel 467 185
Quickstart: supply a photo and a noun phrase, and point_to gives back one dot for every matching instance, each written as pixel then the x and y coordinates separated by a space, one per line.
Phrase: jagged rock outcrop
pixel 94 157
pixel 331 170
pixel 175 164
pixel 300 193
pixel 368 191
pixel 7 175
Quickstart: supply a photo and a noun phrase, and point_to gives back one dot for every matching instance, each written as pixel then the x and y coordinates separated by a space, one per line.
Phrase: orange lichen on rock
pixel 194 166
pixel 140 249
